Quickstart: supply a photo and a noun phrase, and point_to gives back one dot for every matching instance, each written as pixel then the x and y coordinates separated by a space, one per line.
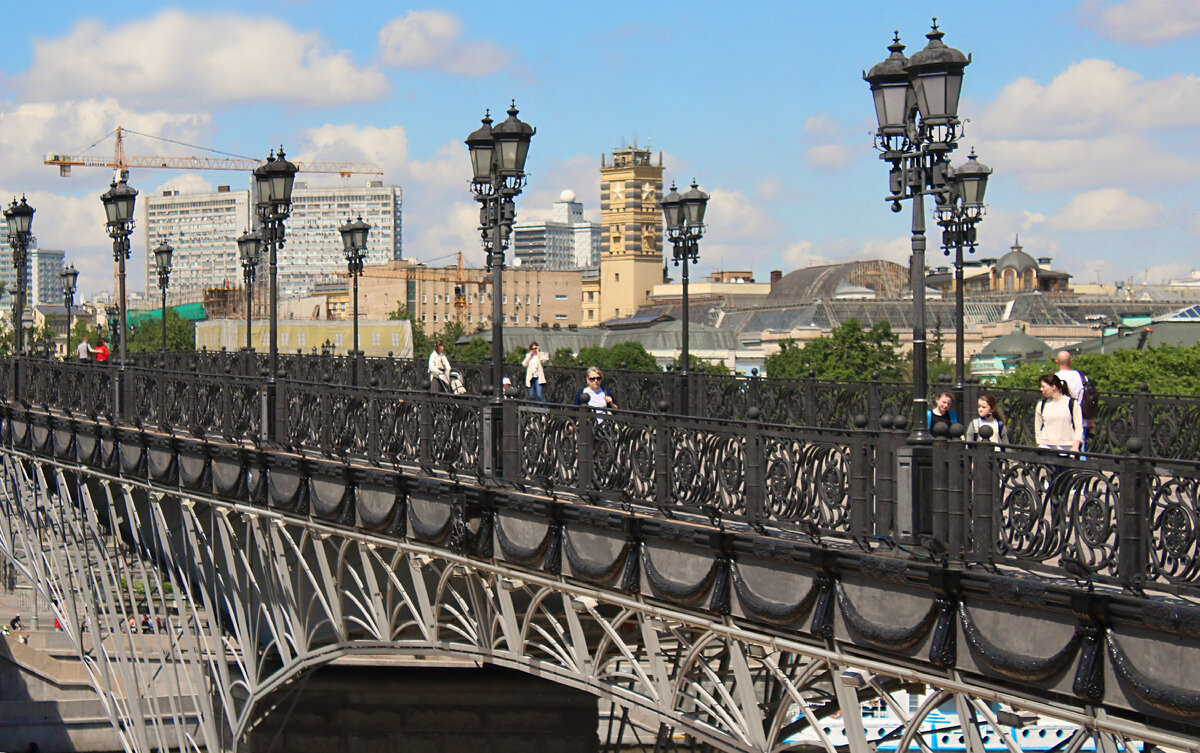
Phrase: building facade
pixel 631 244
pixel 566 241
pixel 43 278
pixel 204 228
pixel 437 296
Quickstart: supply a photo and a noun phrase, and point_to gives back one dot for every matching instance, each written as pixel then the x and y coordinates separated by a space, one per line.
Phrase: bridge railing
pixel 201 404
pixel 1169 423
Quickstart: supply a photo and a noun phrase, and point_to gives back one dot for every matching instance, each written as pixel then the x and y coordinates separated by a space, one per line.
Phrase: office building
pixel 43 278
pixel 204 228
pixel 631 246
pixel 566 241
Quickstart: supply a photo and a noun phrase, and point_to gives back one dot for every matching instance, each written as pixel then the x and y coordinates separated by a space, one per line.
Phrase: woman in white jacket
pixel 1058 424
pixel 535 376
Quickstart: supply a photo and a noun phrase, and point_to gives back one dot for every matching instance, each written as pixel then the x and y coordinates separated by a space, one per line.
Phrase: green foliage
pixel 697 365
pixel 41 340
pixel 83 328
pixel 516 355
pixel 848 353
pixel 626 355
pixel 146 335
pixel 477 350
pixel 564 357
pixel 1167 369
pixel 421 342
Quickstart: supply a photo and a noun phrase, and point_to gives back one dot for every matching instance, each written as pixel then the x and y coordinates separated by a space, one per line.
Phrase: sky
pixel 1088 112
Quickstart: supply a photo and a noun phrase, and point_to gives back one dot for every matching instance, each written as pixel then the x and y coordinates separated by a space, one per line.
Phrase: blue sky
pixel 1089 113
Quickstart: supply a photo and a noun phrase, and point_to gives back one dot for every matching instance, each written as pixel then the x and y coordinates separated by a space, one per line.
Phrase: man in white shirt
pixel 1074 381
pixel 83 351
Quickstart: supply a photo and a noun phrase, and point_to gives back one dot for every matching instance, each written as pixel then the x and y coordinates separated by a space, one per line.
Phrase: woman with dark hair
pixel 535 376
pixel 991 416
pixel 1058 423
pixel 100 351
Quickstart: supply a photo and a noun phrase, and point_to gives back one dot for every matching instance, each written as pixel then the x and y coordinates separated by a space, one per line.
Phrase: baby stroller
pixel 456 384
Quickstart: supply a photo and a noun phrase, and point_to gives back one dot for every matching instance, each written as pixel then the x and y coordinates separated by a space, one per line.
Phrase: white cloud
pixel 1054 164
pixel 828 148
pixel 1143 22
pixel 1106 209
pixel 31 130
pixel 803 254
pixel 431 39
pixel 1091 97
pixel 188 58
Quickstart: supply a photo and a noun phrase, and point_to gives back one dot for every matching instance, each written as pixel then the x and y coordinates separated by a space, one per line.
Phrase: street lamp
pixel 916 106
pixel 119 201
pixel 20 224
pixel 162 261
pixel 273 182
pixel 354 239
pixel 959 210
pixel 684 216
pixel 250 250
pixel 70 277
pixel 498 174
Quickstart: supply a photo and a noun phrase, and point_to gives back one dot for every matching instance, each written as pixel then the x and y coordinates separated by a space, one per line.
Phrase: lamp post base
pixel 914 487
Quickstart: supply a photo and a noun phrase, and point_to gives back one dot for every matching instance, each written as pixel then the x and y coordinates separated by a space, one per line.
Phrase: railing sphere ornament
pixel 985 431
pixel 860 420
pixel 899 422
pixel 663 406
pixel 939 430
pixel 753 413
pixel 957 430
pixel 1135 445
pixel 885 421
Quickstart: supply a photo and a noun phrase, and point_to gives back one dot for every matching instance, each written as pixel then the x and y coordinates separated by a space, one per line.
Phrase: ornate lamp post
pixel 162 261
pixel 69 276
pixel 498 174
pixel 916 105
pixel 20 223
pixel 958 211
pixel 250 250
pixel 119 201
pixel 684 216
pixel 354 239
pixel 273 182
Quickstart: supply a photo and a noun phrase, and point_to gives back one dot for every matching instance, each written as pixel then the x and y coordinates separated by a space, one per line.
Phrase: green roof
pixel 192 312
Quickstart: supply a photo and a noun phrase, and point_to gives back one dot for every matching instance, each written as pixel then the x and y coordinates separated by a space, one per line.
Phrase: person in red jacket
pixel 100 351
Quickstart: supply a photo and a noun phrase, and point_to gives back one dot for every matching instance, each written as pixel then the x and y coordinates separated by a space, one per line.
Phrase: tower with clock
pixel 631 245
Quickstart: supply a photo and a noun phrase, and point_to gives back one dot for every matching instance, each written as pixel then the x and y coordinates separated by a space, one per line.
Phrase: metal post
pixel 959 348
pixel 354 272
pixel 20 262
pixel 273 313
pixel 496 262
pixel 688 248
pixel 162 284
pixel 248 275
pixel 920 431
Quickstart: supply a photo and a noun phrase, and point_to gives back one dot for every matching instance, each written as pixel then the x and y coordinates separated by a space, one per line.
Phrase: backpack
pixel 1089 405
pixel 1070 410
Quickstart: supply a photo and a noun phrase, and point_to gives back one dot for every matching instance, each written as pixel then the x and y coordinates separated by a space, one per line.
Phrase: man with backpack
pixel 1078 387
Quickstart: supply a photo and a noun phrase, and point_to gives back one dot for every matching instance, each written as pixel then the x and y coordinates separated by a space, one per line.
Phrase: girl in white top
pixel 991 416
pixel 535 376
pixel 1058 424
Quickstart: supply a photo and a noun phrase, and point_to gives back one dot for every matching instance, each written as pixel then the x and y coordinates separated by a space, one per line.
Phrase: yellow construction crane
pixel 122 163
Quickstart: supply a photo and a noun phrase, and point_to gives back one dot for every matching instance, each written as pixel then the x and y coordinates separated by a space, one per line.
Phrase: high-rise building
pixel 204 228
pixel 566 241
pixel 43 280
pixel 631 254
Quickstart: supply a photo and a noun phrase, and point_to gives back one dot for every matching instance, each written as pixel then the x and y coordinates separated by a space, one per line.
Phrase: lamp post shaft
pixel 497 258
pixel 164 315
pixel 273 297
pixel 19 259
pixel 959 348
pixel 686 353
pixel 122 244
pixel 920 368
pixel 249 309
pixel 354 328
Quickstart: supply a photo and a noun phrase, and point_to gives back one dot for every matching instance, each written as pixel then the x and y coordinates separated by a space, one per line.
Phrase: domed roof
pixel 1017 259
pixel 567 196
pixel 1015 344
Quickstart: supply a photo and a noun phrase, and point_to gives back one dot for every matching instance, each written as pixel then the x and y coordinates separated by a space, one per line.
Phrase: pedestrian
pixel 991 416
pixel 535 376
pixel 83 351
pixel 941 414
pixel 1058 424
pixel 439 368
pixel 594 393
pixel 15 624
pixel 1074 380
pixel 100 351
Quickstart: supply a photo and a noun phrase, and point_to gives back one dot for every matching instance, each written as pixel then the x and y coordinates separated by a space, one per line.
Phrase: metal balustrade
pixel 1132 519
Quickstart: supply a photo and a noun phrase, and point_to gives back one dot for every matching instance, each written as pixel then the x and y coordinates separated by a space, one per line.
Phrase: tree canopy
pixel 1166 369
pixel 850 352
pixel 146 335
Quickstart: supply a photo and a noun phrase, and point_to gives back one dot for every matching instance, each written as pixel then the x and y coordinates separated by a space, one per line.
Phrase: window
pixel 435 322
pixel 539 300
pixel 339 339
pixel 422 298
pixel 435 297
pixel 558 316
pixel 591 313
pixel 591 295
pixel 560 297
pixel 422 317
pixel 504 298
pixel 300 340
pixel 375 341
pixel 468 318
pixel 616 277
pixel 526 299
pixel 283 339
pixel 395 339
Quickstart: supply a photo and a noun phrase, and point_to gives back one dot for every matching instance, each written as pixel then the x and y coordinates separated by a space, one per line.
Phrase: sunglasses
pixel 593 379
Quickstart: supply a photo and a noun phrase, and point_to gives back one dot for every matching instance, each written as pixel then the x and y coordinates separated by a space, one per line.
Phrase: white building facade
pixel 204 228
pixel 567 241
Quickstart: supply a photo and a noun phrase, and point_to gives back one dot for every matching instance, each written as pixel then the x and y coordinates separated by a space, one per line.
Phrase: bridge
pixel 751 580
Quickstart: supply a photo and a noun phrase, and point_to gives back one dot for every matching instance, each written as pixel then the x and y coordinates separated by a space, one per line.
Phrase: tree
pixel 477 350
pixel 564 357
pixel 627 355
pixel 1166 369
pixel 146 335
pixel 848 353
pixel 698 365
pixel 422 344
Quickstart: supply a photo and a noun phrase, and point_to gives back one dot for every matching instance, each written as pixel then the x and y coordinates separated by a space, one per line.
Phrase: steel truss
pixel 252 599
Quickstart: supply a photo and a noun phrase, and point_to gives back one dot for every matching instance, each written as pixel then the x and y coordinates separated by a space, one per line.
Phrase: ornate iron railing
pixel 1129 519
